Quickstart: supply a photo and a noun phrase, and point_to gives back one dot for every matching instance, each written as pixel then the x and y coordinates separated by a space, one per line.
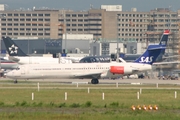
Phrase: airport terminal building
pixel 41 31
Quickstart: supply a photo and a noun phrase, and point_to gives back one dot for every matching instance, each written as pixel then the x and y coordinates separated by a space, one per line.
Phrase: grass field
pixel 49 102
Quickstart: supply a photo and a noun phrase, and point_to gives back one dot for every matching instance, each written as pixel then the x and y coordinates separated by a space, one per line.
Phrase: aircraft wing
pixel 163 63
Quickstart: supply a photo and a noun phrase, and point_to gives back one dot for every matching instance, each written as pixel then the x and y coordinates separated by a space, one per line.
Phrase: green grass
pixel 16 102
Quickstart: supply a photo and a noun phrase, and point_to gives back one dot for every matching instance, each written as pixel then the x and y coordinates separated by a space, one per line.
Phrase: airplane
pixel 7 64
pixel 93 71
pixel 17 55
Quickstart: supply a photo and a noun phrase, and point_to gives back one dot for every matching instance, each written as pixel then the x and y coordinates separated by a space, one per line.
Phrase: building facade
pixel 104 24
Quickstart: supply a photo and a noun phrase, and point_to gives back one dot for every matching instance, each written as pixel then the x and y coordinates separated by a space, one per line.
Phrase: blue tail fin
pixel 153 51
pixel 164 38
pixel 12 48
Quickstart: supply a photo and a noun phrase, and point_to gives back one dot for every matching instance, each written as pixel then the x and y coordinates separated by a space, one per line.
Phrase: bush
pixel 24 103
pixel 39 104
pixel 114 104
pixel 62 105
pixel 17 103
pixel 88 104
pixel 1 103
pixel 75 105
pixel 51 104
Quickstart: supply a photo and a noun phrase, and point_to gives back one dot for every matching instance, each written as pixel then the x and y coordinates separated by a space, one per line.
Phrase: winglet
pixel 164 38
pixel 166 32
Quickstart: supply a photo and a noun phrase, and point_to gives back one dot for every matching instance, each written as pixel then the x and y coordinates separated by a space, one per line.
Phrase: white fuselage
pixel 41 60
pixel 76 70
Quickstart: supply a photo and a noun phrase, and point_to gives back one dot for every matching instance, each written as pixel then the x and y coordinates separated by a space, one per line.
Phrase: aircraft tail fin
pixel 164 38
pixel 153 51
pixel 12 48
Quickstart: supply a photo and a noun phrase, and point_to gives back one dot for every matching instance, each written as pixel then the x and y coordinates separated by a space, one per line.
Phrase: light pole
pixel 1 16
pixel 117 54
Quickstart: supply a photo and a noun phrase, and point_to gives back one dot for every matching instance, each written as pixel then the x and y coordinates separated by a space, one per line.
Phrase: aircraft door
pixel 22 70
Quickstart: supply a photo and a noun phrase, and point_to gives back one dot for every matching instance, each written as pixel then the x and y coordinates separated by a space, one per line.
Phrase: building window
pixel 47 14
pixel 3 28
pixel 73 25
pixel 40 34
pixel 40 29
pixel 15 33
pixel 28 14
pixel 34 34
pixel 15 19
pixel 9 14
pixel 47 33
pixel 73 20
pixel 34 29
pixel 22 19
pixel 15 28
pixel 61 20
pixel 28 34
pixel 9 33
pixel 40 19
pixel 34 19
pixel 80 30
pixel 73 29
pixel 80 15
pixel 28 19
pixel 28 29
pixel 40 24
pixel 28 24
pixel 3 33
pixel 16 24
pixel 34 14
pixel 67 20
pixel 47 19
pixel 9 19
pixel 3 24
pixel 9 28
pixel 80 20
pixel 9 24
pixel 67 15
pixel 3 19
pixel 47 29
pixel 21 14
pixel 73 15
pixel 21 29
pixel 40 14
pixel 21 33
pixel 80 24
pixel 16 15
pixel 21 24
pixel 34 24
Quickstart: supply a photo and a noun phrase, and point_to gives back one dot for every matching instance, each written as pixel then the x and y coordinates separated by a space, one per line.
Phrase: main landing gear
pixel 95 81
pixel 15 81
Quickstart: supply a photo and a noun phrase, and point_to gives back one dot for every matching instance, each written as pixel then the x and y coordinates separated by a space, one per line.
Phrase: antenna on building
pixel 91 6
pixel 34 8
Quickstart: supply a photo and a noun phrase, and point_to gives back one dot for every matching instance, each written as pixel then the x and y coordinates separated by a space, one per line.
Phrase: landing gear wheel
pixel 15 81
pixel 94 81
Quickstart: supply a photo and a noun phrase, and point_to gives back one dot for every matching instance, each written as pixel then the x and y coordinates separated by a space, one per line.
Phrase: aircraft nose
pixel 9 73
